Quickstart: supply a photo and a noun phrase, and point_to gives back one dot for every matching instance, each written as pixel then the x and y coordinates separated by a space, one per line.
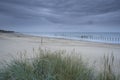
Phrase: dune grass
pixel 108 72
pixel 54 66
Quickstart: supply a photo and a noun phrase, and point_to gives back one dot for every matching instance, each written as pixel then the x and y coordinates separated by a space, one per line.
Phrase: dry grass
pixel 53 66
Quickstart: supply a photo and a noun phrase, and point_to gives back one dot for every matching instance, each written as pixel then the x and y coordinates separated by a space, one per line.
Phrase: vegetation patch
pixel 53 66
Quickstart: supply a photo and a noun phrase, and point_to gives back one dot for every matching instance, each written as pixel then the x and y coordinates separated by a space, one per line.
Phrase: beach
pixel 12 44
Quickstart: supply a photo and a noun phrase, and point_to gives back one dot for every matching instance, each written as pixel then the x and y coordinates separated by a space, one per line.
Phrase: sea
pixel 101 37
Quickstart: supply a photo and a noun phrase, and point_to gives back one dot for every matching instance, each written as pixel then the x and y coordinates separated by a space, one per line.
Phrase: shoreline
pixel 81 37
pixel 60 38
pixel 21 35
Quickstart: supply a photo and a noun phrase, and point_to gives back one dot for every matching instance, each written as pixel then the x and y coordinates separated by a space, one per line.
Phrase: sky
pixel 60 15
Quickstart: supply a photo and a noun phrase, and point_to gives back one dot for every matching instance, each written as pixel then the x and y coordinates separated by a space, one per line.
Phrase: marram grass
pixel 52 66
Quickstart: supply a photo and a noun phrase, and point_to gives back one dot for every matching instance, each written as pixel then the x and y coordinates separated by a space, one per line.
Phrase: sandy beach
pixel 11 44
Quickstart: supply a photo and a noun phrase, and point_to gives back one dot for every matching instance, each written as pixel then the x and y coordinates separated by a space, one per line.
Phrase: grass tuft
pixel 54 66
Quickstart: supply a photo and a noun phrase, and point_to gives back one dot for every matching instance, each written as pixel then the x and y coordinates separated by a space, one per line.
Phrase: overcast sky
pixel 60 15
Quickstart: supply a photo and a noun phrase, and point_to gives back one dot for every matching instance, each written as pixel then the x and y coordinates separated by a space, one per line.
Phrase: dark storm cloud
pixel 69 7
pixel 68 12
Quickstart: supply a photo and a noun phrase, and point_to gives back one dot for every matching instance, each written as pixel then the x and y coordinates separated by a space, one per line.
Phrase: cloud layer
pixel 59 13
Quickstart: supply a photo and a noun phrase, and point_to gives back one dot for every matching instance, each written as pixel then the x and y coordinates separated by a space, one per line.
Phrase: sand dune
pixel 13 43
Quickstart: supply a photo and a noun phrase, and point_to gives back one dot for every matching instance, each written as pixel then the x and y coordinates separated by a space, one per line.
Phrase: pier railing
pixel 105 37
pixel 101 37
